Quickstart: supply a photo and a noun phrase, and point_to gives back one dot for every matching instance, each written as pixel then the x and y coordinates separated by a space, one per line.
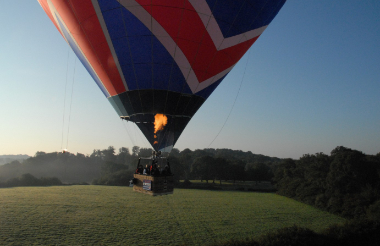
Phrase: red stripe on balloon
pixel 45 7
pixel 185 27
pixel 82 23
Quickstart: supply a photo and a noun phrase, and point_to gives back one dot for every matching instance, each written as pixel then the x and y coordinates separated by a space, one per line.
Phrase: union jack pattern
pixel 147 54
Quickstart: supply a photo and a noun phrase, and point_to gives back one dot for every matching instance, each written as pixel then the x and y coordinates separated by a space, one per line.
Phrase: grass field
pixel 103 215
pixel 229 185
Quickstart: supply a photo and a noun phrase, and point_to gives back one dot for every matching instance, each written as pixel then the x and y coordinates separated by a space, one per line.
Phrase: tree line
pixel 208 165
pixel 112 167
pixel 9 158
pixel 346 182
pixel 29 180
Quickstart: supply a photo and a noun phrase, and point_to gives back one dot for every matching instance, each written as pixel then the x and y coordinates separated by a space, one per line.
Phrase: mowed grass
pixel 104 215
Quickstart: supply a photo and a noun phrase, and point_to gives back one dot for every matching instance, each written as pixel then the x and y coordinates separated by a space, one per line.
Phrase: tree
pixel 80 155
pixel 145 152
pixel 186 151
pixel 135 150
pixel 124 150
pixel 124 157
pixel 203 168
pixel 312 171
pixel 186 161
pixel 96 153
pixel 109 167
pixel 236 171
pixel 339 150
pixel 177 168
pixel 286 178
pixel 222 169
pixel 345 173
pixel 175 152
pixel 259 172
pixel 39 153
pixel 28 180
pixel 109 154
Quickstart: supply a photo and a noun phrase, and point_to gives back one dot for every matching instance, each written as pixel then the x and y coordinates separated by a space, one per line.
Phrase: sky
pixel 310 83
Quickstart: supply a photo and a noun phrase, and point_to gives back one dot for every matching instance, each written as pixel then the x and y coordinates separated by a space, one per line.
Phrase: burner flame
pixel 160 122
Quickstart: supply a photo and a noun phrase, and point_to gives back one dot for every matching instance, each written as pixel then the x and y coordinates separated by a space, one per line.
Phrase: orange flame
pixel 160 121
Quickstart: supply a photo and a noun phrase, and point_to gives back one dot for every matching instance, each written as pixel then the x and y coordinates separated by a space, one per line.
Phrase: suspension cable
pixel 71 102
pixel 237 94
pixel 64 99
pixel 126 129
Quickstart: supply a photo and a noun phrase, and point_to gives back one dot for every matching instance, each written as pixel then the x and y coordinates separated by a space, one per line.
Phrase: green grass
pixel 101 215
pixel 217 182
pixel 230 185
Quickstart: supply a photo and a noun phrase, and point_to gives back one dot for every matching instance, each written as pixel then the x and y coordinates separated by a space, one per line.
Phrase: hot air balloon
pixel 157 61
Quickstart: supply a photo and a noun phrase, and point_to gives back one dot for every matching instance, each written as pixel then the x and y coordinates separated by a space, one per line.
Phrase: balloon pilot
pixel 154 169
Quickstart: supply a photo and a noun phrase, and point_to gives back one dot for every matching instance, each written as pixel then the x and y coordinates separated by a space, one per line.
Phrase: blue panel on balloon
pixel 205 93
pixel 237 17
pixel 108 5
pixel 141 49
pixel 141 54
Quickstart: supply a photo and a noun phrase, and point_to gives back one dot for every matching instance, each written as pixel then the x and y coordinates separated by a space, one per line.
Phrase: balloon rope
pixel 64 99
pixel 71 103
pixel 241 82
pixel 126 129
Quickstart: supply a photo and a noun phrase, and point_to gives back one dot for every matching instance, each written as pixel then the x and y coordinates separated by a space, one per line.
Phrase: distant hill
pixel 4 159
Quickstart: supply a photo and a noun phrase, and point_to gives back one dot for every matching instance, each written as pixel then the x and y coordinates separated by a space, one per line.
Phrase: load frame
pixel 154 185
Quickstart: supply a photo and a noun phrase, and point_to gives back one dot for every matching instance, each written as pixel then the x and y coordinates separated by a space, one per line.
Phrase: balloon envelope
pixel 160 59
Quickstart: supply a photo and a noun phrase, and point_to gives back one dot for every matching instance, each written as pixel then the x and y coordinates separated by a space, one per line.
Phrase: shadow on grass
pixel 353 233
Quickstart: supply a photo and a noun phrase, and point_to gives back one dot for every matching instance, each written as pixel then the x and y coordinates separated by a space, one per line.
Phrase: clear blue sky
pixel 312 83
